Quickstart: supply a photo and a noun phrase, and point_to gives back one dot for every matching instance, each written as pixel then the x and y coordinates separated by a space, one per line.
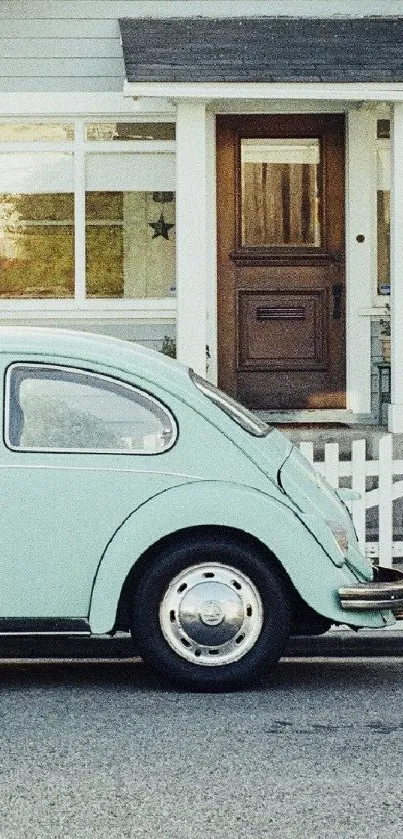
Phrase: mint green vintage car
pixel 137 497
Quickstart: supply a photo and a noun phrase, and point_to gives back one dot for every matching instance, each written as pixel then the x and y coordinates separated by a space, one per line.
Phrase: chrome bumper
pixel 385 592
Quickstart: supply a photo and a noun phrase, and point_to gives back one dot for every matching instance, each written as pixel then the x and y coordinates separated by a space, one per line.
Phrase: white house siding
pixel 54 45
pixel 155 336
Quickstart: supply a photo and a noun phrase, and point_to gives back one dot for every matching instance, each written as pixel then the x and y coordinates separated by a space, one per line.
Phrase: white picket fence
pixel 388 475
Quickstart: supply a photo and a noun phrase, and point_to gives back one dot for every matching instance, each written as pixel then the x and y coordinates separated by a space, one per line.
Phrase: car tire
pixel 211 613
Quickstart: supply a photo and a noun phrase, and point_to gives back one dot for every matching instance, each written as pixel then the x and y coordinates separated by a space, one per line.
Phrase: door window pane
pixel 130 244
pixel 383 222
pixel 54 408
pixel 36 245
pixel 383 217
pixel 280 192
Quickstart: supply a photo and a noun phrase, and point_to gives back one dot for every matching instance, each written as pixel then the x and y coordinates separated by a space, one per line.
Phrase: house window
pixel 120 131
pixel 36 225
pixel 123 258
pixel 36 245
pixel 36 132
pixel 87 213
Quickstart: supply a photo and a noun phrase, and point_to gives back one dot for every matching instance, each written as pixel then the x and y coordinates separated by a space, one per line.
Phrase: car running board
pixel 44 626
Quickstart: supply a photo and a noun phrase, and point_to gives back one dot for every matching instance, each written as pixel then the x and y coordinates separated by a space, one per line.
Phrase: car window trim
pixel 8 397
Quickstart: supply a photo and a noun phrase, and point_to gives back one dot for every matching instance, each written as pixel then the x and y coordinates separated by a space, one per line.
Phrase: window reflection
pixel 124 256
pixel 61 409
pixel 104 131
pixel 36 245
pixel 36 132
pixel 280 192
pixel 383 216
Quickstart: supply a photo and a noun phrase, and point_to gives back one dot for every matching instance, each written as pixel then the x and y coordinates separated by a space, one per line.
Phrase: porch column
pixel 395 414
pixel 191 234
pixel 360 222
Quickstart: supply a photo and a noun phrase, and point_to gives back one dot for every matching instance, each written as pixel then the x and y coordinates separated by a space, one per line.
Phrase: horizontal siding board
pixel 63 48
pixel 148 334
pixel 81 84
pixel 59 28
pixel 55 67
pixel 75 9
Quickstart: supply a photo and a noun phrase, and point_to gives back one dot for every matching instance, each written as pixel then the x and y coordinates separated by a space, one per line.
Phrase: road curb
pixel 336 643
pixel 339 643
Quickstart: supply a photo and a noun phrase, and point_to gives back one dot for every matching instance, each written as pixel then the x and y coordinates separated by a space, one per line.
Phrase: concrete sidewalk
pixel 335 643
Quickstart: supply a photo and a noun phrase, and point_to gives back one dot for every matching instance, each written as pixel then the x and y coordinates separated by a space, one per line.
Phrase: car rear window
pixel 56 408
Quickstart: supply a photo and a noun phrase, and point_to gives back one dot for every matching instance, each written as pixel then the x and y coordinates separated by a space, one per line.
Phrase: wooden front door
pixel 281 278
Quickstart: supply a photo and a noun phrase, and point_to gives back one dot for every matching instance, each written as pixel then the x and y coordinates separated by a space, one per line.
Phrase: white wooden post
pixel 361 134
pixel 385 500
pixel 358 484
pixel 191 233
pixel 382 497
pixel 306 448
pixel 395 414
pixel 332 464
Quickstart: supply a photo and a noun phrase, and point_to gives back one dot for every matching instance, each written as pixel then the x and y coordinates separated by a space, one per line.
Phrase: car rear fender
pixel 268 519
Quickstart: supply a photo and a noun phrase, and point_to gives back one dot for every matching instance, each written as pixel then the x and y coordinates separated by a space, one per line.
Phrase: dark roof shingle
pixel 263 49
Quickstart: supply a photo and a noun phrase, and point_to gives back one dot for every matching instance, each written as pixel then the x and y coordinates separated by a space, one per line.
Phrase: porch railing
pixel 379 483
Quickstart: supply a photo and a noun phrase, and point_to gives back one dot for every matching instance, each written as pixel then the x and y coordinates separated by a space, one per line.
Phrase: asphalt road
pixel 102 750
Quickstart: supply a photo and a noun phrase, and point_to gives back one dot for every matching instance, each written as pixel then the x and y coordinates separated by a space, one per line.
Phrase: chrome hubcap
pixel 211 614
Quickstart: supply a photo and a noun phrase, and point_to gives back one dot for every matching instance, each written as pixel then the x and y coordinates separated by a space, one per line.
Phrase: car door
pixel 80 452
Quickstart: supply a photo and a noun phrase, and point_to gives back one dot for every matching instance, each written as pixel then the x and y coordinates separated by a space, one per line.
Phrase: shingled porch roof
pixel 333 50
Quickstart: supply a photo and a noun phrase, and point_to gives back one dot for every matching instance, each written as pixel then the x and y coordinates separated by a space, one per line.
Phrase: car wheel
pixel 211 614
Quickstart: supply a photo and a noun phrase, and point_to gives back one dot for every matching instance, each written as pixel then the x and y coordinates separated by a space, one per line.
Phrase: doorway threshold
pixel 310 417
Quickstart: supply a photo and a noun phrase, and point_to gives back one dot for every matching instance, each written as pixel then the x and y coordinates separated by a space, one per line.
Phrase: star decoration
pixel 160 227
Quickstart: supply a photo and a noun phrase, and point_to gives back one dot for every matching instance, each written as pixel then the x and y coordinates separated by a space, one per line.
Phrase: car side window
pixel 52 408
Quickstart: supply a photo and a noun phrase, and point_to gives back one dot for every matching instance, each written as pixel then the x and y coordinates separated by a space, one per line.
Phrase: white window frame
pixel 80 306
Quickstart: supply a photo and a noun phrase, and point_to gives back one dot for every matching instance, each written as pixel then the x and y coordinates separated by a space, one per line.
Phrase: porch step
pixel 310 416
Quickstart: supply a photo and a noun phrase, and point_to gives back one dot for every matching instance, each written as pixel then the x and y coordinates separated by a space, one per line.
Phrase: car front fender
pixel 315 576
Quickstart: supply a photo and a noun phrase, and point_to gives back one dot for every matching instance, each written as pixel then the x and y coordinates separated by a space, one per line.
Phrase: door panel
pixel 281 260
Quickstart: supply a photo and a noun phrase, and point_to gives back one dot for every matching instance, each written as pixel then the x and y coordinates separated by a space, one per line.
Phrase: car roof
pixel 90 347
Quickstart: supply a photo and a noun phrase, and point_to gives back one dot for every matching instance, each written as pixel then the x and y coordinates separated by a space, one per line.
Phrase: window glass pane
pixel 383 128
pixel 60 409
pixel 280 192
pixel 126 171
pixel 130 244
pixel 36 172
pixel 36 245
pixel 131 131
pixel 19 132
pixel 383 218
